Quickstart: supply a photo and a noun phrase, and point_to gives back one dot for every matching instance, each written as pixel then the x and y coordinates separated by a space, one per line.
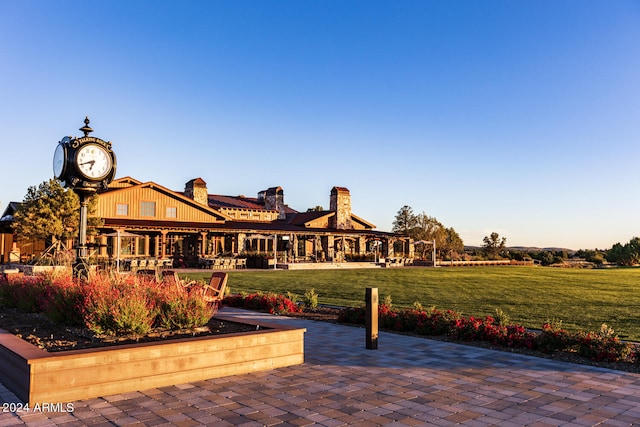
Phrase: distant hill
pixel 535 249
pixel 527 249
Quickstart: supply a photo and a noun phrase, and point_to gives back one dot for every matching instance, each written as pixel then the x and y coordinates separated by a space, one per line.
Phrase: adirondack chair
pixel 170 277
pixel 146 274
pixel 214 291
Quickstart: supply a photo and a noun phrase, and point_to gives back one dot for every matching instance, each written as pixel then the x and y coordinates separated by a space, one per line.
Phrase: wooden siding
pixel 322 222
pixel 124 183
pixel 240 214
pixel 134 196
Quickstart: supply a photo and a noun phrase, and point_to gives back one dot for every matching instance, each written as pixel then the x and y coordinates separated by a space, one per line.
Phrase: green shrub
pixel 179 308
pixel 502 318
pixel 119 307
pixel 310 299
pixel 293 297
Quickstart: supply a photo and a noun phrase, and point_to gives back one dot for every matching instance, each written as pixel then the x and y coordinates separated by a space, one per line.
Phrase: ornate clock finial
pixel 86 129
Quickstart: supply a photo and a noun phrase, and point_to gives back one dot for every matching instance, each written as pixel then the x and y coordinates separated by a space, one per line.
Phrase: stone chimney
pixel 196 189
pixel 274 201
pixel 340 203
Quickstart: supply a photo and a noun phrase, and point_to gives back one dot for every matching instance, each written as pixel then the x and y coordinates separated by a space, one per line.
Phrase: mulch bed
pixel 38 330
pixel 41 332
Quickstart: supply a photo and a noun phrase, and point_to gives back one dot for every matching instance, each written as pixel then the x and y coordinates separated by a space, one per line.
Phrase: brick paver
pixel 407 381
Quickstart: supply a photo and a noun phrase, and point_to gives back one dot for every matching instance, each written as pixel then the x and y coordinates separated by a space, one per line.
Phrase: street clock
pixel 86 163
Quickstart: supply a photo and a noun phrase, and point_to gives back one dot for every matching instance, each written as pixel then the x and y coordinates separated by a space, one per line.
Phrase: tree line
pixel 450 245
pixel 422 227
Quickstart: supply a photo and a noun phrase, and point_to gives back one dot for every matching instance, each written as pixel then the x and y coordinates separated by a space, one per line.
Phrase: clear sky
pixel 520 117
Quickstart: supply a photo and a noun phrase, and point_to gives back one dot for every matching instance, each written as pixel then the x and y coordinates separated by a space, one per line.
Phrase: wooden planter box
pixel 36 376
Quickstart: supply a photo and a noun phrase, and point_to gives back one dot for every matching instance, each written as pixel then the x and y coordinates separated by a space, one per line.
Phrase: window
pixel 172 212
pixel 147 208
pixel 122 209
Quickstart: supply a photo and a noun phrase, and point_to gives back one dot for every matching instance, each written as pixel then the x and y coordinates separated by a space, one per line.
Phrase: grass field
pixel 581 299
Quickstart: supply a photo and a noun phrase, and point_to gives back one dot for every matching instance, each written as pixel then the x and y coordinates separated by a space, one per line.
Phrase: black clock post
pixel 85 165
pixel 81 265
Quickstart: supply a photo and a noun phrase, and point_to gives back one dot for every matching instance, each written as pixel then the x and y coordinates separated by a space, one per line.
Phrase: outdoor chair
pixel 214 291
pixel 170 277
pixel 146 274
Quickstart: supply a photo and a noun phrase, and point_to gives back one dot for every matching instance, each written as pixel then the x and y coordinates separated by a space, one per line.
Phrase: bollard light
pixel 371 318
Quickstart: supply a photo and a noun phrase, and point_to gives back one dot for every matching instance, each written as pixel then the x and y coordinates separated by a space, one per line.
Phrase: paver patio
pixel 407 381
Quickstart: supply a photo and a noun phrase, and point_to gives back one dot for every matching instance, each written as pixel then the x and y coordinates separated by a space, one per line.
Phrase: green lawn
pixel 581 299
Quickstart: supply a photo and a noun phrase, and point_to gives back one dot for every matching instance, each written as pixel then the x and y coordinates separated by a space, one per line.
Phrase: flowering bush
pixel 355 315
pixel 119 306
pixel 63 301
pixel 180 308
pixel 554 338
pixel 112 305
pixel 26 293
pixel 273 303
pixel 604 346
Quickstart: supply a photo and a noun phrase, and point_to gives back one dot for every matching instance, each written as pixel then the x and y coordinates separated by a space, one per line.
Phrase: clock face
pixel 93 161
pixel 59 161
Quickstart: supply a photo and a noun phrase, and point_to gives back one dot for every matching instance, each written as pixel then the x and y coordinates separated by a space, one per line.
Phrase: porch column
pixel 147 240
pixel 203 243
pixel 317 247
pixel 242 238
pixel 331 248
pixel 387 248
pixel 361 245
pixel 163 243
pixel 157 248
pixel 392 248
pixel 294 247
pixel 103 246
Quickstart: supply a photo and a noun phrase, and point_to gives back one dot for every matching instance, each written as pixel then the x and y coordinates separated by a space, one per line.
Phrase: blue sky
pixel 519 117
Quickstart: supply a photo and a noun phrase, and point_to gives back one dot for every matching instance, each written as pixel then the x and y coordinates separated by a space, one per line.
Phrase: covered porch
pixel 221 247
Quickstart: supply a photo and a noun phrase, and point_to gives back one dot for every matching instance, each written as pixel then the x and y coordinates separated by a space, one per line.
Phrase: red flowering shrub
pixel 554 338
pixel 273 303
pixel 111 305
pixel 437 322
pixel 444 322
pixel 64 300
pixel 25 293
pixel 118 306
pixel 604 346
pixel 473 329
pixel 180 308
pixel 518 336
pixel 355 315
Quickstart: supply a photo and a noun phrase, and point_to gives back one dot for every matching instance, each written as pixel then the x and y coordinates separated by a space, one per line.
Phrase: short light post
pixel 371 318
